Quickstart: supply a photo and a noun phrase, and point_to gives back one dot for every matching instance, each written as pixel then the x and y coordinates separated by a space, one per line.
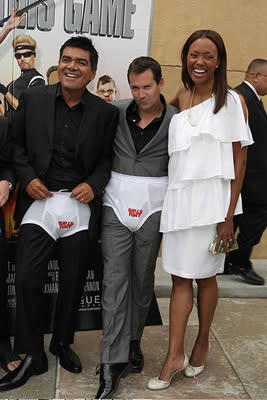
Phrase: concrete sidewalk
pixel 229 285
pixel 236 366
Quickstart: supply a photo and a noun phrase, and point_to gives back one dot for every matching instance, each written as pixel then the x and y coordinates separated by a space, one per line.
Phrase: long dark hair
pixel 220 81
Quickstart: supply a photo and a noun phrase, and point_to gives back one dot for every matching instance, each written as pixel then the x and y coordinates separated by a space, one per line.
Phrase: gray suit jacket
pixel 153 159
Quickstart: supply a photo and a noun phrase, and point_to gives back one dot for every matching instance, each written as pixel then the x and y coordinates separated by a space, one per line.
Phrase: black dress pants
pixel 34 249
pixel 4 335
pixel 252 223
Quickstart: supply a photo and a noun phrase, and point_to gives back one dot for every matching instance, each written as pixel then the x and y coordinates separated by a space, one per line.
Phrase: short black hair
pixel 141 64
pixel 105 79
pixel 84 43
pixel 256 64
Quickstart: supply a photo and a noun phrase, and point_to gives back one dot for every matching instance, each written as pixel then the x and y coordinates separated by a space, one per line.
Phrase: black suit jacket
pixel 254 189
pixel 33 131
pixel 6 171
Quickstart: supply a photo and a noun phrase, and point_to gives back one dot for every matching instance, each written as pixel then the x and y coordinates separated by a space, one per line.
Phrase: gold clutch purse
pixel 213 243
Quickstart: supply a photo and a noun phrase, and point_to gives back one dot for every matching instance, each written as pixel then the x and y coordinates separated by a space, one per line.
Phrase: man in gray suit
pixel 130 232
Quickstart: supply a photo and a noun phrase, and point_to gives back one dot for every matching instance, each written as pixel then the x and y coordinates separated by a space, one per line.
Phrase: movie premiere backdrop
pixel 120 31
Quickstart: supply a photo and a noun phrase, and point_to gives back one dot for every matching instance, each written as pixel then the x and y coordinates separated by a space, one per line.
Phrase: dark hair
pixel 50 70
pixel 220 87
pixel 105 79
pixel 84 43
pixel 141 64
pixel 256 64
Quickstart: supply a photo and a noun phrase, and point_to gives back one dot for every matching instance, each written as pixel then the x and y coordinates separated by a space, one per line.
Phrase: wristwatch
pixel 10 185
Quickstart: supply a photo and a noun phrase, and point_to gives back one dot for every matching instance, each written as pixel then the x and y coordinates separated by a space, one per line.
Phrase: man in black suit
pixel 63 146
pixel 8 359
pixel 253 221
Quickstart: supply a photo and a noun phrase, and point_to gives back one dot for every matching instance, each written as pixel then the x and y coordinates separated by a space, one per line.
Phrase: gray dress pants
pixel 128 282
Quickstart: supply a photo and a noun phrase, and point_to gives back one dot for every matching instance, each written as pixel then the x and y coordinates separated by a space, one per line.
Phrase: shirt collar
pixel 26 71
pixel 252 88
pixel 59 95
pixel 133 114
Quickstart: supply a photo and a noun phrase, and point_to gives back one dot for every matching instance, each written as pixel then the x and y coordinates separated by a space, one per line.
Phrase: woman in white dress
pixel 207 146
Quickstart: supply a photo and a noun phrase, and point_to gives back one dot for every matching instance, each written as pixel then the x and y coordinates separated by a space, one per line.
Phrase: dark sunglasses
pixel 27 54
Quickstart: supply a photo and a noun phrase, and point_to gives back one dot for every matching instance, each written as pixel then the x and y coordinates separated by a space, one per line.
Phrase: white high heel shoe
pixel 158 384
pixel 191 371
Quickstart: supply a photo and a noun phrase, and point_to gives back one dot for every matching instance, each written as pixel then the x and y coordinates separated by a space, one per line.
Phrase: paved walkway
pixel 229 285
pixel 236 366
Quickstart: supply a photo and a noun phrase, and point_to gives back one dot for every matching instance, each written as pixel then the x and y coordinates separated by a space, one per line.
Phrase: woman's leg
pixel 180 308
pixel 206 301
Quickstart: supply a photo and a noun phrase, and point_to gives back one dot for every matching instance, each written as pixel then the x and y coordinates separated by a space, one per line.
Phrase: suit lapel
pixel 257 101
pixel 89 109
pixel 260 103
pixel 123 122
pixel 50 116
pixel 160 134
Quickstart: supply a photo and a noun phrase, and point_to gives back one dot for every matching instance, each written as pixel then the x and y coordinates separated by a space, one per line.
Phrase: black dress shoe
pixel 249 275
pixel 67 358
pixel 228 269
pixel 31 365
pixel 136 357
pixel 7 357
pixel 110 375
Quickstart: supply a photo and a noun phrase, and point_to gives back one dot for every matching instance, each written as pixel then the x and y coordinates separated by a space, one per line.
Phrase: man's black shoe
pixel 110 375
pixel 228 269
pixel 136 357
pixel 67 358
pixel 7 357
pixel 249 275
pixel 31 365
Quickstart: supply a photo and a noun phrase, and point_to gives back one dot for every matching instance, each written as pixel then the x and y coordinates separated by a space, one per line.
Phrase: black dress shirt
pixel 141 136
pixel 62 172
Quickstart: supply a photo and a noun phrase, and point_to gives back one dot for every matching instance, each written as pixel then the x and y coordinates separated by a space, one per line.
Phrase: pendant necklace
pixel 189 111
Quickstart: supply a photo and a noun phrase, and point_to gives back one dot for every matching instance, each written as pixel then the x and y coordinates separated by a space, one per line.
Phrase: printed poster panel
pixel 120 31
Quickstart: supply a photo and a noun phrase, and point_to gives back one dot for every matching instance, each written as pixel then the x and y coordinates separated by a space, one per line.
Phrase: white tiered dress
pixel 201 168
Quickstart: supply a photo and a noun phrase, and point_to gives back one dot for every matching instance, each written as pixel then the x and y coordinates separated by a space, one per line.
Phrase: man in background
pixel 253 221
pixel 106 88
pixel 25 54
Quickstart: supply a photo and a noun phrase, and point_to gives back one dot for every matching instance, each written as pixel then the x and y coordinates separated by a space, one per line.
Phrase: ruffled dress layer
pixel 201 168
